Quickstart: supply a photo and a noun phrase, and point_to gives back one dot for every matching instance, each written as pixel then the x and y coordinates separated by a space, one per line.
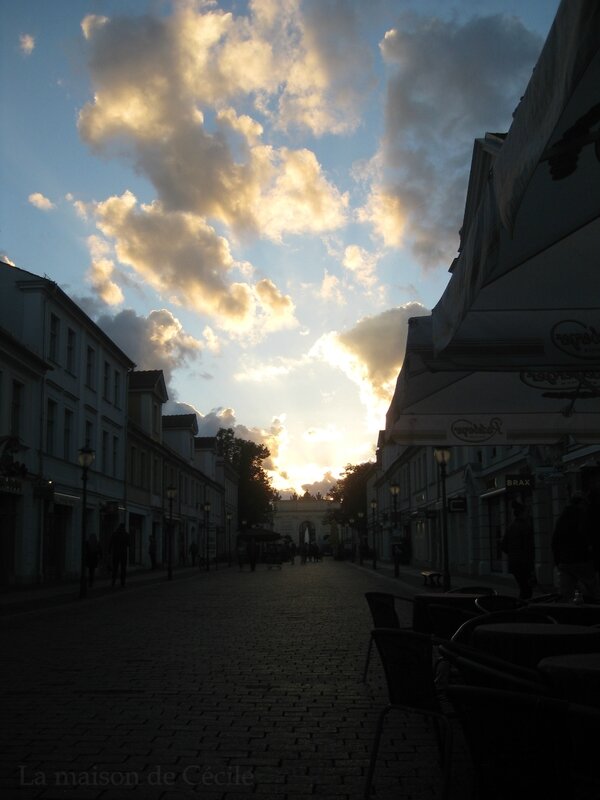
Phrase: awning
pixel 534 241
pixel 451 407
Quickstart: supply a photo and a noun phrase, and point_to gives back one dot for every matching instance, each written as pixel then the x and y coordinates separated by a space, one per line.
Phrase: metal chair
pixel 472 590
pixel 474 668
pixel 463 634
pixel 519 743
pixel 498 602
pixel 406 657
pixel 382 606
pixel 446 620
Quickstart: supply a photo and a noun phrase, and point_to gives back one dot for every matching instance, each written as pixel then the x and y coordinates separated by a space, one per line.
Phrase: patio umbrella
pixel 452 407
pixel 527 279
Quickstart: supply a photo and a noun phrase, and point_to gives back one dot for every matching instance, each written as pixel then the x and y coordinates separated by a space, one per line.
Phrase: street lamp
pixel 206 527
pixel 373 512
pixel 171 492
pixel 86 458
pixel 229 515
pixel 351 522
pixel 442 456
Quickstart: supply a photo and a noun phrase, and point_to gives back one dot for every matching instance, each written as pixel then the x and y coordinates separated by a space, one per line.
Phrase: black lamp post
pixel 351 522
pixel 229 537
pixel 207 529
pixel 442 456
pixel 171 492
pixel 86 458
pixel 374 520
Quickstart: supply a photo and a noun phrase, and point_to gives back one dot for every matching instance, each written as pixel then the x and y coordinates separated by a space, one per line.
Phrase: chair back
pixel 407 659
pixel 463 634
pixel 446 620
pixel 517 741
pixel 449 650
pixel 498 602
pixel 472 590
pixel 475 672
pixel 382 608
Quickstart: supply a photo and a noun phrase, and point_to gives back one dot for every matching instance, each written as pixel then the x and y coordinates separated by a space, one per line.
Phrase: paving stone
pixel 224 685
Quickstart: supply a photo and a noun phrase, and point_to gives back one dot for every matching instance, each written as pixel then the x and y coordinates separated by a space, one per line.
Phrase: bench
pixel 431 578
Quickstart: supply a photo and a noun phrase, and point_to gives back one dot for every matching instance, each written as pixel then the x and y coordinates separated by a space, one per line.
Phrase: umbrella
pixel 452 407
pixel 527 274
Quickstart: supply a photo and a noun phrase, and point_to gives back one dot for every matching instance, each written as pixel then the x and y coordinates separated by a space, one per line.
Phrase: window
pixel 68 435
pixel 143 470
pixel 106 381
pixel 16 409
pixel 89 434
pixel 154 418
pixel 50 426
pixel 105 464
pixel 156 477
pixel 115 456
pixel 117 390
pixel 90 366
pixel 132 465
pixel 54 337
pixel 71 351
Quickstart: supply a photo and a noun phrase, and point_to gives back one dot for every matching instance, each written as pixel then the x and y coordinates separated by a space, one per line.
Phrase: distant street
pixel 222 685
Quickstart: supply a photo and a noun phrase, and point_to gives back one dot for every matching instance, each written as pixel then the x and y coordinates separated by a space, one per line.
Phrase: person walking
pixel 518 544
pixel 119 545
pixel 573 550
pixel 194 552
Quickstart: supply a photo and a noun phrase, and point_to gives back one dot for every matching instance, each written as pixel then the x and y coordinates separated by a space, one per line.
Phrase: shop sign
pixel 520 482
pixel 476 432
pixel 576 338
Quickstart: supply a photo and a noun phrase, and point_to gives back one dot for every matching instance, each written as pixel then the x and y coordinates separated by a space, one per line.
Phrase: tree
pixel 350 491
pixel 255 490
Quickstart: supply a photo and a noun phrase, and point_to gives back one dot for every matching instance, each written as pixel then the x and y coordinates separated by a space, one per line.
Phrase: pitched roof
pixel 178 421
pixel 151 380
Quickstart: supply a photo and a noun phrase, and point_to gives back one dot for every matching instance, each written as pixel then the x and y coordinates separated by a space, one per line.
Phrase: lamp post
pixel 86 458
pixel 442 456
pixel 373 513
pixel 171 492
pixel 206 527
pixel 229 537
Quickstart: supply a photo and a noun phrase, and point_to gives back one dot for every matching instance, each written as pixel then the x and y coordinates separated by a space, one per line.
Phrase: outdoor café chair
pixel 472 590
pixel 406 657
pixel 498 602
pixel 463 634
pixel 382 606
pixel 446 620
pixel 518 742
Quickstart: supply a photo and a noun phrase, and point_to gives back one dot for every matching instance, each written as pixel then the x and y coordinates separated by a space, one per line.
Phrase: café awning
pixel 453 407
pixel 532 246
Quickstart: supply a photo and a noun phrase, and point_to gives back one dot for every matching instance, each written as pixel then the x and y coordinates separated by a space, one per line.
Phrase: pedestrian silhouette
pixel 518 544
pixel 152 550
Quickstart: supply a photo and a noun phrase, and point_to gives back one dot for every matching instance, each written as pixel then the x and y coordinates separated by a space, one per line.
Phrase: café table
pixel 571 613
pixel 575 677
pixel 421 621
pixel 526 643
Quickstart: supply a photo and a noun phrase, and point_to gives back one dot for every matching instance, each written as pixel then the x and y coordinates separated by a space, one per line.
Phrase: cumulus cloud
pixel 435 106
pixel 101 272
pixel 370 354
pixel 38 200
pixel 361 264
pixel 153 78
pixel 322 486
pixel 26 44
pixel 157 341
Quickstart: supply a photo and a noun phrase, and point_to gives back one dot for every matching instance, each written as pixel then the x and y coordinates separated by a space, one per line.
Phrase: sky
pixel 255 196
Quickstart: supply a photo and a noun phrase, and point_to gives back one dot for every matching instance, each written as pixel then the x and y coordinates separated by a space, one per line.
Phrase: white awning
pixel 451 407
pixel 536 235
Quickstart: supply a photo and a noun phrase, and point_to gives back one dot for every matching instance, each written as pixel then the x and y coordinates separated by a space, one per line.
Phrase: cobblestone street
pixel 219 685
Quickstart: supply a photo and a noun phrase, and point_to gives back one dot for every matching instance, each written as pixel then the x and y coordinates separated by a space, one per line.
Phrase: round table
pixel 571 613
pixel 526 643
pixel 575 677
